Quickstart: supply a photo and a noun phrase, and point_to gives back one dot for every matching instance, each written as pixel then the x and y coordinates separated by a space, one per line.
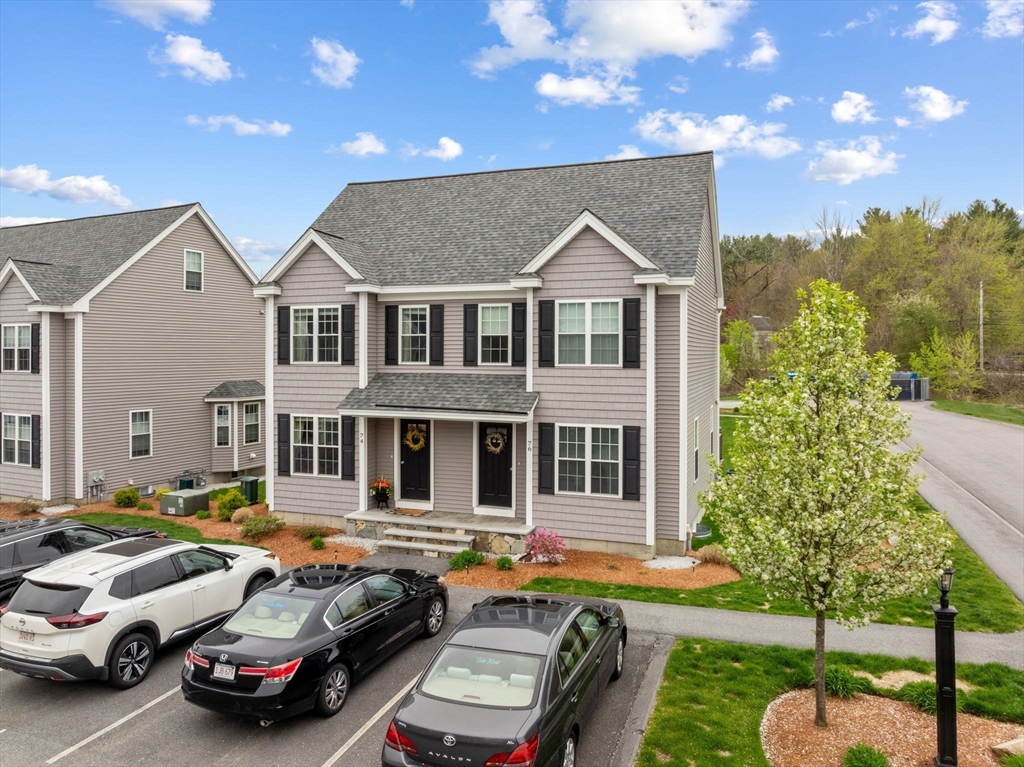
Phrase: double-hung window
pixel 412 334
pixel 141 433
pixel 316 445
pixel 589 460
pixel 495 334
pixel 696 449
pixel 194 270
pixel 17 438
pixel 17 347
pixel 223 426
pixel 589 332
pixel 315 334
pixel 252 423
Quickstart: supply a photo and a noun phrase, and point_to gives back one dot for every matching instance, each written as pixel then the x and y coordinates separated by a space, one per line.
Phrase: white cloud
pixel 32 179
pixel 194 61
pixel 691 132
pixel 365 144
pixel 626 152
pixel 679 84
pixel 940 21
pixel 336 64
pixel 258 251
pixel 589 91
pixel 447 149
pixel 155 13
pixel 853 107
pixel 873 14
pixel 764 55
pixel 901 122
pixel 1005 18
pixel 25 220
pixel 407 3
pixel 862 158
pixel 933 104
pixel 242 128
pixel 778 102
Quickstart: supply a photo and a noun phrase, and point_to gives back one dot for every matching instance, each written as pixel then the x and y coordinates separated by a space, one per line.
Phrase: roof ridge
pixel 104 215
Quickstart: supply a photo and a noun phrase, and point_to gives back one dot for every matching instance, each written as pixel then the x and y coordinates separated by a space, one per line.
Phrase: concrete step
pixel 426 549
pixel 454 538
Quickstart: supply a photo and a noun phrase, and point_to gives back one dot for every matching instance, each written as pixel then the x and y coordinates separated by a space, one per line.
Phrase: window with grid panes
pixel 17 347
pixel 413 334
pixel 604 461
pixel 495 327
pixel 572 459
pixel 141 434
pixel 572 334
pixel 302 445
pixel 193 270
pixel 327 334
pixel 223 425
pixel 328 447
pixel 302 335
pixel 17 438
pixel 252 423
pixel 604 333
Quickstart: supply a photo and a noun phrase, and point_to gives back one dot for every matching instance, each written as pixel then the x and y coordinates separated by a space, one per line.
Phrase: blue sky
pixel 264 111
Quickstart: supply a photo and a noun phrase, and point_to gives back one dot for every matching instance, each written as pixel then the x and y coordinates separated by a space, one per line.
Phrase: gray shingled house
pixel 511 349
pixel 131 355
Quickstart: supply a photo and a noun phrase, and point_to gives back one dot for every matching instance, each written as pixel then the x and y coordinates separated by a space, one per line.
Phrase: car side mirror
pixel 612 621
pixel 227 564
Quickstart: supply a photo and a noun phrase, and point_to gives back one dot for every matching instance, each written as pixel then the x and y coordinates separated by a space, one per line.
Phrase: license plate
pixel 27 636
pixel 225 672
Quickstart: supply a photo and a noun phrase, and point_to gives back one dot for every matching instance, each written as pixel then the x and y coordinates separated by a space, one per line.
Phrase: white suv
pixel 102 613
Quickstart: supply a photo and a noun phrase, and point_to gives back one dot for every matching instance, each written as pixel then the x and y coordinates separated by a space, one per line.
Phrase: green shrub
pixel 126 498
pixel 923 694
pixel 317 543
pixel 863 755
pixel 504 563
pixel 465 559
pixel 258 528
pixel 1013 760
pixel 309 531
pixel 162 492
pixel 145 506
pixel 842 683
pixel 203 514
pixel 241 515
pixel 229 503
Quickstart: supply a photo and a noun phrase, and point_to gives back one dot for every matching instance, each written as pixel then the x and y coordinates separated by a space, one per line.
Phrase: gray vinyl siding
pixel 453 466
pixel 702 365
pixel 62 422
pixel 591 268
pixel 223 458
pixel 148 344
pixel 21 393
pixel 374 336
pixel 259 448
pixel 667 418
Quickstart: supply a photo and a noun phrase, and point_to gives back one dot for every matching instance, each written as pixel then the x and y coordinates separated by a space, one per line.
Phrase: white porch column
pixel 363 361
pixel 268 404
pixel 233 411
pixel 44 370
pixel 529 341
pixel 649 361
pixel 684 473
pixel 529 455
pixel 79 318
pixel 364 480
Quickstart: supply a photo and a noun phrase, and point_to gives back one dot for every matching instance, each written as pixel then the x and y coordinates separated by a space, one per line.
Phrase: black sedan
pixel 515 684
pixel 300 642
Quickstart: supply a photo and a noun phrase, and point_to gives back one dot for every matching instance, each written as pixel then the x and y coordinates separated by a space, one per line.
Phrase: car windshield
pixel 483 677
pixel 271 615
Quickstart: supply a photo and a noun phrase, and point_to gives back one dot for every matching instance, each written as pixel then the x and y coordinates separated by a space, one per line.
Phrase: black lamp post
pixel 945 673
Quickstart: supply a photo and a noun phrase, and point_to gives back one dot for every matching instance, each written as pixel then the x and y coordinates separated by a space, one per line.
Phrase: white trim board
pixel 585 219
pixel 299 248
pixel 44 369
pixel 10 268
pixel 493 511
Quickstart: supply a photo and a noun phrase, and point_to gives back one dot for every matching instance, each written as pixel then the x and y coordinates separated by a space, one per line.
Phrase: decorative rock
pixel 500 546
pixel 1013 747
pixel 519 547
pixel 430 553
pixel 366 532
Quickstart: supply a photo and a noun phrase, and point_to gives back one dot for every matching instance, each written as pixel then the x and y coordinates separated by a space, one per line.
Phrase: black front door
pixel 415 457
pixel 495 447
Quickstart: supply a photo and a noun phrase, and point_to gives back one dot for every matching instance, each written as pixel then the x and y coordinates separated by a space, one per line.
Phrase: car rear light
pixel 279 674
pixel 524 756
pixel 396 740
pixel 193 659
pixel 3 609
pixel 252 670
pixel 75 620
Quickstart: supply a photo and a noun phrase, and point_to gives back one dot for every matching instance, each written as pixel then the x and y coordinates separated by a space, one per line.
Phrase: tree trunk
pixel 819 670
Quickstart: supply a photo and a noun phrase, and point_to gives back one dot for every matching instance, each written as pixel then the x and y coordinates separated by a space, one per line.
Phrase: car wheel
pixel 255 585
pixel 619 651
pixel 569 752
pixel 131 661
pixel 435 617
pixel 333 690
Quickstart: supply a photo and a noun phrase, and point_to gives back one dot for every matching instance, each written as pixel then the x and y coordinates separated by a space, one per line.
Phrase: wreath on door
pixel 495 442
pixel 415 438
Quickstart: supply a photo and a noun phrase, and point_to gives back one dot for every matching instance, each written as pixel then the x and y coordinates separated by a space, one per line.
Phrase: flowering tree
pixel 819 508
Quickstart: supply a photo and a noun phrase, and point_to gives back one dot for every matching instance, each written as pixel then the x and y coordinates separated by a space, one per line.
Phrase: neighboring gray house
pixel 131 354
pixel 513 349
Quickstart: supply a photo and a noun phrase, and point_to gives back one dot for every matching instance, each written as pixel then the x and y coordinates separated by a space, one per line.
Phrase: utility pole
pixel 981 325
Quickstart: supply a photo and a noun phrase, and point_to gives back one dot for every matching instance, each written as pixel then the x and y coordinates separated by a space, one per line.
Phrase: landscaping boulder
pixel 1013 747
pixel 241 515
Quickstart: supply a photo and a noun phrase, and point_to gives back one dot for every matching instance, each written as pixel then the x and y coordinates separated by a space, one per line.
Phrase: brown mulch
pixel 593 566
pixel 905 734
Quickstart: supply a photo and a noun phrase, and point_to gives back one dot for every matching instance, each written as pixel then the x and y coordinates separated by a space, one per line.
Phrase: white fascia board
pixel 82 306
pixel 585 219
pixel 296 250
pixel 661 279
pixel 713 212
pixel 262 291
pixel 9 269
pixel 421 293
pixel 226 244
pixel 521 283
pixel 256 398
pixel 438 415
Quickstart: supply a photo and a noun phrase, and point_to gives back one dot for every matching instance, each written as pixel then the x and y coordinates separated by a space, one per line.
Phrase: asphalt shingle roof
pixel 473 393
pixel 64 260
pixel 238 390
pixel 485 227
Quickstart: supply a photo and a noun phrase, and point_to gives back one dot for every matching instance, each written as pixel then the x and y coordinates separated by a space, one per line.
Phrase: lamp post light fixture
pixel 945 673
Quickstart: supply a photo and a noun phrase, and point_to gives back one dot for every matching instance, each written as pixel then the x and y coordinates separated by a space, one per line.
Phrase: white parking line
pixel 110 727
pixel 362 730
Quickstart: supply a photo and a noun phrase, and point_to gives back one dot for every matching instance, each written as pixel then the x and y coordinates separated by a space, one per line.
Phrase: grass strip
pixel 174 530
pixel 982 410
pixel 262 498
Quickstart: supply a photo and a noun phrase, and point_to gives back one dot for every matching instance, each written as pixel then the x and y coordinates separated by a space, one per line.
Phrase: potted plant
pixel 380 489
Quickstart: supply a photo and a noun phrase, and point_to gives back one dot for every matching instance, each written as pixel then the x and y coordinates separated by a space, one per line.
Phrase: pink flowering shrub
pixel 544 545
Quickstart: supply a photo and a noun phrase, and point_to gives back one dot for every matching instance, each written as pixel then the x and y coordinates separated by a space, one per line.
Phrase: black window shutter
pixel 631 332
pixel 546 334
pixel 469 315
pixel 631 463
pixel 348 334
pixel 437 334
pixel 519 335
pixel 348 447
pixel 284 445
pixel 546 459
pixel 37 442
pixel 390 335
pixel 35 348
pixel 284 335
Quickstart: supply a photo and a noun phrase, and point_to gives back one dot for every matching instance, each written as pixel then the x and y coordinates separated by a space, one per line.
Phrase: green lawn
pixel 1014 415
pixel 173 529
pixel 215 494
pixel 714 695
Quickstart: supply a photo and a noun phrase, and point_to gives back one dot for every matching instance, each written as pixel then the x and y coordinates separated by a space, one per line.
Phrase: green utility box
pixel 250 487
pixel 185 503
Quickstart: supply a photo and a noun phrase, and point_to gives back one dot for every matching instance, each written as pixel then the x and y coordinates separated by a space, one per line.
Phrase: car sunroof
pixel 136 546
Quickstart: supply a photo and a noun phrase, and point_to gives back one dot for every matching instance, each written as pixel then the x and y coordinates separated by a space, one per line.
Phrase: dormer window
pixel 194 270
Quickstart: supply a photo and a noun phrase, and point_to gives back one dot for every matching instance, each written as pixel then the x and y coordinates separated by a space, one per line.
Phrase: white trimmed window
pixel 17 347
pixel 223 426
pixel 316 446
pixel 194 270
pixel 251 425
pixel 17 438
pixel 412 335
pixel 589 460
pixel 495 334
pixel 589 332
pixel 141 433
pixel 316 333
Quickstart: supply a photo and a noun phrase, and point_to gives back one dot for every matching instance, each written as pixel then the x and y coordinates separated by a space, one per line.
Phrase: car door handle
pixel 598 660
pixel 388 612
pixel 198 587
pixel 146 604
pixel 575 695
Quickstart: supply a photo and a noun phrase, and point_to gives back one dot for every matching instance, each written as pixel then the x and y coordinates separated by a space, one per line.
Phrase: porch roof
pixel 451 396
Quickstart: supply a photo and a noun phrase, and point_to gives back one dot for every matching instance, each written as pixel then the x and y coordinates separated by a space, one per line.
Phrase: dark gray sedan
pixel 516 683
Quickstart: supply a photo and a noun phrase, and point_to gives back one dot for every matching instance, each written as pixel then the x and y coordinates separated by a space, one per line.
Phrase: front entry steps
pixel 439 534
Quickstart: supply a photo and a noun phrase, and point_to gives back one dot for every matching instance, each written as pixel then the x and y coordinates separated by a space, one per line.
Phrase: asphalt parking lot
pixel 49 723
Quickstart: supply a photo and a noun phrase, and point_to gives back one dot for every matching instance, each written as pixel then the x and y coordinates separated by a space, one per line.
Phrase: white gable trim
pixel 713 212
pixel 585 219
pixel 296 250
pixel 5 274
pixel 226 244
